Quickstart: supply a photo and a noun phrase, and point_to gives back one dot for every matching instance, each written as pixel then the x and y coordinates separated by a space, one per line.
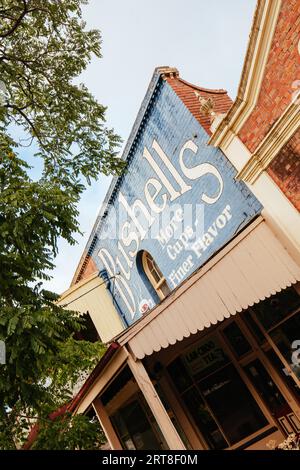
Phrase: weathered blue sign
pixel 178 200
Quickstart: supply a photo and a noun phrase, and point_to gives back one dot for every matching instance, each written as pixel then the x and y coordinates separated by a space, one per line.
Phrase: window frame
pixel 271 343
pixel 238 366
pixel 154 283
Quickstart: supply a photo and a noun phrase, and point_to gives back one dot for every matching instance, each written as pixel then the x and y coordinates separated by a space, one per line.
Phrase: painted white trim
pixel 279 135
pixel 279 213
pixel 237 153
pixel 256 59
pixel 163 420
pixel 109 372
pixel 106 425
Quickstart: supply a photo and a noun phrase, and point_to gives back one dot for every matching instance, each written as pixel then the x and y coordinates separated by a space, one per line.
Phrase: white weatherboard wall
pixel 91 295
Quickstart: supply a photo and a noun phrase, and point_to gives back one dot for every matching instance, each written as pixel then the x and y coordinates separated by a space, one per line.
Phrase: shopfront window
pixel 236 339
pixel 204 419
pixel 280 318
pixel 215 395
pixel 232 404
pixel 285 337
pixel 272 311
pixel 135 429
pixel 266 387
pixel 253 327
pixel 284 374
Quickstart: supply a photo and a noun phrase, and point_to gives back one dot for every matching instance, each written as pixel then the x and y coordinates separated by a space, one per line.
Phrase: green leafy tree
pixel 44 47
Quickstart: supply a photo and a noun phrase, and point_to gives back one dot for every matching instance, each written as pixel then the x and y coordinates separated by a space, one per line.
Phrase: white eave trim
pixel 260 41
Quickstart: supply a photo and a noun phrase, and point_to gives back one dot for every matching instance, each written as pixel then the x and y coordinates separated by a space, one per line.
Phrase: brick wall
pixel 88 268
pixel 285 170
pixel 282 70
pixel 190 94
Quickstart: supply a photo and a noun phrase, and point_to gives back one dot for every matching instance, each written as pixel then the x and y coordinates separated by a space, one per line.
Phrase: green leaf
pixel 44 48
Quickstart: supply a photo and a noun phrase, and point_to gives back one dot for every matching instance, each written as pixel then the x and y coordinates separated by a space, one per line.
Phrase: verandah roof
pixel 252 267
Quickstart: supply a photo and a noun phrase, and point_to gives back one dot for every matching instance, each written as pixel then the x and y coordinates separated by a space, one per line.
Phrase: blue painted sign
pixel 178 200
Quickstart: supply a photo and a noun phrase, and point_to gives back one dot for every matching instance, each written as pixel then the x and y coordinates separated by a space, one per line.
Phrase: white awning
pixel 252 267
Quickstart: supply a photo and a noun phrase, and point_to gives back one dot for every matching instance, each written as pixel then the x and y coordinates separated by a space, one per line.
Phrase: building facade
pixel 91 299
pixel 178 201
pixel 200 243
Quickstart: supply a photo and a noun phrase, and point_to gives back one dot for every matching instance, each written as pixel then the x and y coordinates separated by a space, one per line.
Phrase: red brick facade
pixel 280 81
pixel 282 70
pixel 190 94
pixel 285 170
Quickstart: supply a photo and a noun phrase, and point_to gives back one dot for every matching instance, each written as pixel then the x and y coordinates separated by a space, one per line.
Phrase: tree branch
pixel 29 122
pixel 17 22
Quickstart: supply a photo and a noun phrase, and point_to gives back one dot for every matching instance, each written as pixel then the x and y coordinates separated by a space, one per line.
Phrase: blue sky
pixel 205 39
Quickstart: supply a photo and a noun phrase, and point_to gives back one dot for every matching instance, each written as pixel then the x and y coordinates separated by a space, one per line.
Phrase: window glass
pixel 277 364
pixel 265 386
pixel 279 316
pixel 118 383
pixel 164 288
pixel 172 416
pixel 232 404
pixel 204 420
pixel 217 398
pixel 179 375
pixel 236 339
pixel 153 268
pixel 253 327
pixel 273 310
pixel 134 429
pixel 155 275
pixel 285 337
pixel 205 357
